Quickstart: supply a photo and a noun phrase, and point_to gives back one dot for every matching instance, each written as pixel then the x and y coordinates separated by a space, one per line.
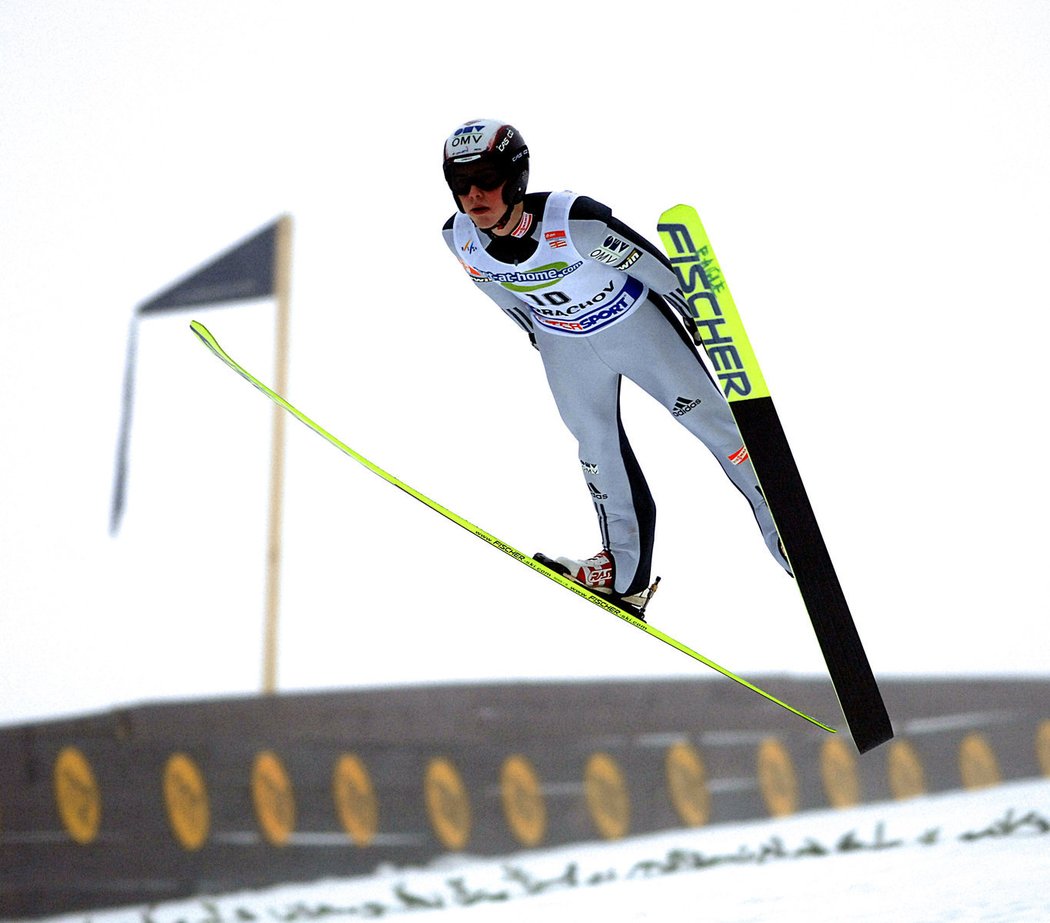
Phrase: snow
pixel 961 856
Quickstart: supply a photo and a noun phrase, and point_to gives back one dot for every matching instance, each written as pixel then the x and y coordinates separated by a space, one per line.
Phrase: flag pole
pixel 282 292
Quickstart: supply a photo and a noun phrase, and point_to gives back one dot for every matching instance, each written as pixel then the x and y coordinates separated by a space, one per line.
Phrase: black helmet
pixel 486 153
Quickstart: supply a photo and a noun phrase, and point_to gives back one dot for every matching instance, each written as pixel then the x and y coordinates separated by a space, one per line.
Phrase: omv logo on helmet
pixel 468 135
pixel 486 153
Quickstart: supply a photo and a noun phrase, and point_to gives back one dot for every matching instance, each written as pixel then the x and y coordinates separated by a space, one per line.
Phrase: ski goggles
pixel 482 173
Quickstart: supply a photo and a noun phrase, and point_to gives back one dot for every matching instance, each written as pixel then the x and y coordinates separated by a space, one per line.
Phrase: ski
pixel 597 599
pixel 719 329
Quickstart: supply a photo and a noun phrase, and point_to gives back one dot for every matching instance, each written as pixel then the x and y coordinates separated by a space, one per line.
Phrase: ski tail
pixel 721 332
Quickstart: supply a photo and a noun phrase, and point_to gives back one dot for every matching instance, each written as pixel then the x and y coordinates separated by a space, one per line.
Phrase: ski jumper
pixel 599 303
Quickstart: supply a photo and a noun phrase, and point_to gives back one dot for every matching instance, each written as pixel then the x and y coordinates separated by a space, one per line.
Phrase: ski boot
pixel 597 574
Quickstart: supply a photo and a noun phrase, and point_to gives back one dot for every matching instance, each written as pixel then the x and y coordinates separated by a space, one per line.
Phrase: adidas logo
pixel 683 405
pixel 596 495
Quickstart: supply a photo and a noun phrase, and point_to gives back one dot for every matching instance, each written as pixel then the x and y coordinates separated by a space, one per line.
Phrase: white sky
pixel 874 179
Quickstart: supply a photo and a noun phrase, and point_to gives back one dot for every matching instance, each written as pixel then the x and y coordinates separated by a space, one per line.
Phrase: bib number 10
pixel 549 299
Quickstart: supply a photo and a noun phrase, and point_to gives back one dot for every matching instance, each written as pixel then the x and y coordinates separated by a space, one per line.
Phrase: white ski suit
pixel 599 302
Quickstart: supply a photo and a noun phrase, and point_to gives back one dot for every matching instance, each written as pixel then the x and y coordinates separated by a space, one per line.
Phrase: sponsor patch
pixel 476 274
pixel 556 239
pixel 599 315
pixel 739 456
pixel 632 258
pixel 544 274
pixel 611 251
pixel 523 226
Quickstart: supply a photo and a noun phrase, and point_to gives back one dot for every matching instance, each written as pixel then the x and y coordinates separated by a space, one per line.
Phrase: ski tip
pixel 206 337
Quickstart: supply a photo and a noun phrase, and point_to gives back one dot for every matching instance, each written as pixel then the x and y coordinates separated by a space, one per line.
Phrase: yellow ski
pixel 717 323
pixel 597 599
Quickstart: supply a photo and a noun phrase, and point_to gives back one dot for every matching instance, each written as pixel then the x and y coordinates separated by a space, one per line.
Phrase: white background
pixel 873 177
